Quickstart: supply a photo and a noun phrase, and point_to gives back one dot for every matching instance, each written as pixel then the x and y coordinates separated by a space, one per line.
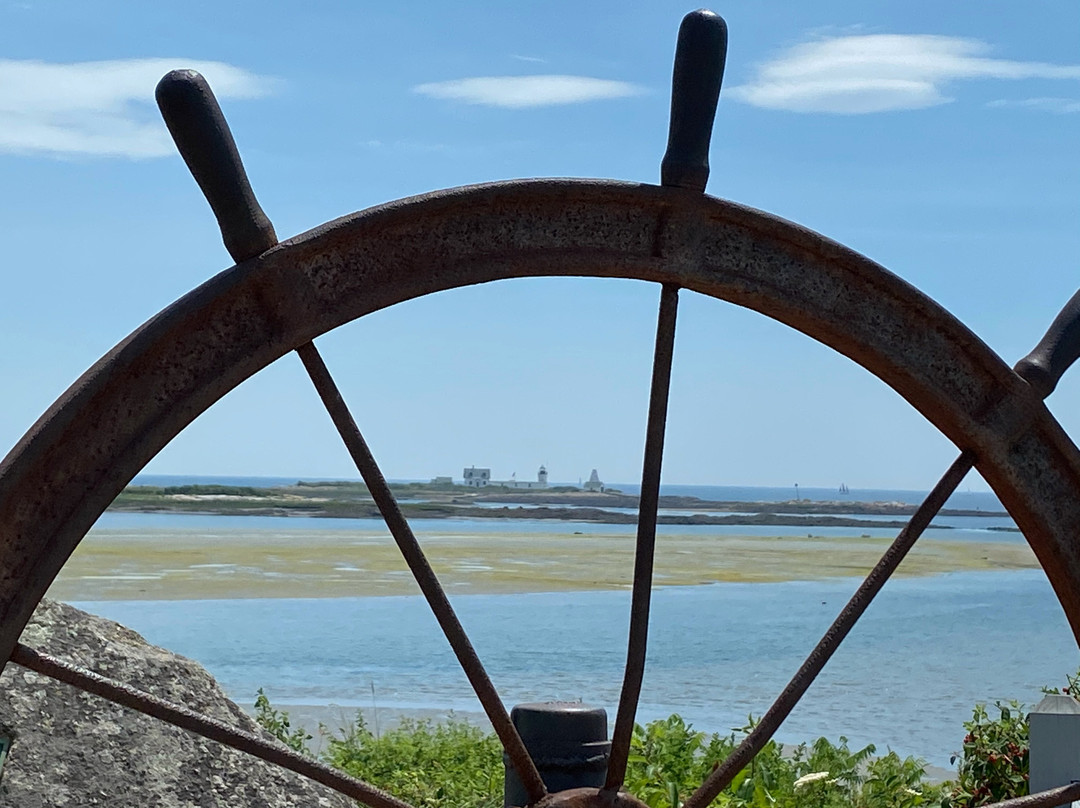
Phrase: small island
pixel 484 539
pixel 443 499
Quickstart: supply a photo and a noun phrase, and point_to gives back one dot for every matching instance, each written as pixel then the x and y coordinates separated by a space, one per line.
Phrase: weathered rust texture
pixel 645 549
pixel 113 420
pixel 590 798
pixel 1063 795
pixel 82 452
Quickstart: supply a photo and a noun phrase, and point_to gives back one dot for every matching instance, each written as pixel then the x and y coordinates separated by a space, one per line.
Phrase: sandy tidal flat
pixel 179 564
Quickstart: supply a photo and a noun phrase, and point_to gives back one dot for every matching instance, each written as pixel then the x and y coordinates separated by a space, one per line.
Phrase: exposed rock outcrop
pixel 73 749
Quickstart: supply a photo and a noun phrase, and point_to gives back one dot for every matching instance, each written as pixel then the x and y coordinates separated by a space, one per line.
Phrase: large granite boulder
pixel 74 749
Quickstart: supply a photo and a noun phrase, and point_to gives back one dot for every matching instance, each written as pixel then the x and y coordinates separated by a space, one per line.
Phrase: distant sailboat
pixel 844 488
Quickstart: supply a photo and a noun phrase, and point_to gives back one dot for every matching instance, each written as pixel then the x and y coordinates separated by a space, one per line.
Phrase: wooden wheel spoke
pixel 646 538
pixel 422 571
pixel 776 714
pixel 208 727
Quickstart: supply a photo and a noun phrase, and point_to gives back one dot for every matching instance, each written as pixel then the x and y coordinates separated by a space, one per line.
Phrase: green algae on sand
pixel 183 564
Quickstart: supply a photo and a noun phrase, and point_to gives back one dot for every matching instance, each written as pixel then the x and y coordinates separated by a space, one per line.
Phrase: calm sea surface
pixel 906 677
pixel 157 525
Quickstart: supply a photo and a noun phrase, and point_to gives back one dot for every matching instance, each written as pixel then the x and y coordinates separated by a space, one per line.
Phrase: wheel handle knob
pixel 695 89
pixel 202 135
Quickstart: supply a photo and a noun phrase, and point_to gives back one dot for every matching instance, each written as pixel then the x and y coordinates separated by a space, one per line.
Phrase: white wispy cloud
pixel 1061 106
pixel 406 146
pixel 100 108
pixel 880 72
pixel 519 92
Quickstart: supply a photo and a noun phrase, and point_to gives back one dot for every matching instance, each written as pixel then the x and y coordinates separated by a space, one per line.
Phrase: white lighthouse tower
pixel 541 477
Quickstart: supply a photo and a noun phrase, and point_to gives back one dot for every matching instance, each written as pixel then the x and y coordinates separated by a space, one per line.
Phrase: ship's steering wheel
pixel 279 297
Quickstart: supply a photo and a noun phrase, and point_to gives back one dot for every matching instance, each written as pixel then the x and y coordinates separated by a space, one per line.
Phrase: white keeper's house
pixel 481 478
pixel 476 478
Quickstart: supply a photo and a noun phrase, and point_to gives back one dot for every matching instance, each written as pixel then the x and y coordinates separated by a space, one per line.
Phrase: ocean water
pixel 953 528
pixel 906 678
pixel 981 500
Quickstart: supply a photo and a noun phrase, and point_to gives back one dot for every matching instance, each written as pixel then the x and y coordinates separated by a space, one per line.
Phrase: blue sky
pixel 938 139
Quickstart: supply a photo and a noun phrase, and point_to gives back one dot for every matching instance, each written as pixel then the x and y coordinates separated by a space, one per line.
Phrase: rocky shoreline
pixel 804 506
pixel 352 501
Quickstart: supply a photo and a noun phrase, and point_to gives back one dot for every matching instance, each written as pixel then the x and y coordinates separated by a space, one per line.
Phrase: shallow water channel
pixel 906 677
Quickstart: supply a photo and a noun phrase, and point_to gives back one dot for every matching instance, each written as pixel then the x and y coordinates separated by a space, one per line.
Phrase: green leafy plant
pixel 669 760
pixel 457 765
pixel 994 759
pixel 449 765
pixel 276 722
pixel 1072 686
pixel 894 782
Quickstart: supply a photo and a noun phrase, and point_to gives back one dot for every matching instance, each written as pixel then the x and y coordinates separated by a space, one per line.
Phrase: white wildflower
pixel 813 777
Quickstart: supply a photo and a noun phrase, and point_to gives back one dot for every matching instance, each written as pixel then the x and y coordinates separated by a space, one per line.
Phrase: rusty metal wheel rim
pixel 112 421
pixel 81 453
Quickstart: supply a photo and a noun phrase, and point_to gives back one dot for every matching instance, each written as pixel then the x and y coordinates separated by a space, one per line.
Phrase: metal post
pixel 1054 727
pixel 568 742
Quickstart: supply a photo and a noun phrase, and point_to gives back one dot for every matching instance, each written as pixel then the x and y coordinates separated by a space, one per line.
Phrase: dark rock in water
pixel 73 749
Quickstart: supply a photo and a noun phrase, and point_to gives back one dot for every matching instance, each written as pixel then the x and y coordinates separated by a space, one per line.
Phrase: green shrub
pixel 277 724
pixel 449 765
pixel 669 760
pixel 892 782
pixel 994 760
pixel 457 765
